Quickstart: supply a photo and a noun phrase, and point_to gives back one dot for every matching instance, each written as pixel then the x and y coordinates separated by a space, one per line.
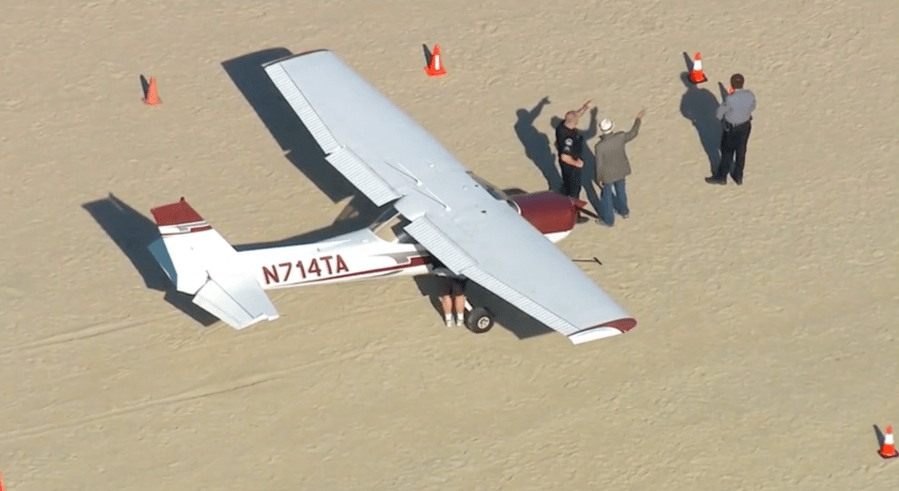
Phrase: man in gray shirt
pixel 736 115
pixel 612 167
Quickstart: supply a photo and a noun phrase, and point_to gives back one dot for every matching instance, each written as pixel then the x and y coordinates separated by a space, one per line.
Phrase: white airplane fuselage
pixel 383 249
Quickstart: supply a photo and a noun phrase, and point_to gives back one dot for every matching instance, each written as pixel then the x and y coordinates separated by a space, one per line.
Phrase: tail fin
pixel 202 263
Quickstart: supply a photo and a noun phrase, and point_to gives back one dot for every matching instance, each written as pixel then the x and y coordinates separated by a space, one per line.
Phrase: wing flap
pixel 440 245
pixel 238 301
pixel 362 176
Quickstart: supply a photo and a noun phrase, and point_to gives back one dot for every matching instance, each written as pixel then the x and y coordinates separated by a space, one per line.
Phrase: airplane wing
pixel 389 157
pixel 374 144
pixel 490 244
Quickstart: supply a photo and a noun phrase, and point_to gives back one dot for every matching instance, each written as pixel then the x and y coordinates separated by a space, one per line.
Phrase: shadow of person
pixel 537 145
pixel 132 232
pixel 299 147
pixel 698 106
pixel 428 287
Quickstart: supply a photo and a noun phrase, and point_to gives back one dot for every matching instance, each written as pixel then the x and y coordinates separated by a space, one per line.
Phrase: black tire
pixel 479 320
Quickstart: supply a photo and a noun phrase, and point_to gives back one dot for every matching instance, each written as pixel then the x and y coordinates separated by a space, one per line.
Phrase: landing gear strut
pixel 479 320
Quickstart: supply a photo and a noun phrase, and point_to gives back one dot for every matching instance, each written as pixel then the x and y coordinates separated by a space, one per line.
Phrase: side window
pixel 392 230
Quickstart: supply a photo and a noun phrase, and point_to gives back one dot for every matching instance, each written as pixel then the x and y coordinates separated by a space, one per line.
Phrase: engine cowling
pixel 549 212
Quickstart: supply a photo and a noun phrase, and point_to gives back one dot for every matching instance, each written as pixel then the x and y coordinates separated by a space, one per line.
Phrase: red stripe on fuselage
pixel 413 261
pixel 191 230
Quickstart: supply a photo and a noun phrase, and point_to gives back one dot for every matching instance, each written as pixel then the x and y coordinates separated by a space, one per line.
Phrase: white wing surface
pixel 389 157
pixel 369 140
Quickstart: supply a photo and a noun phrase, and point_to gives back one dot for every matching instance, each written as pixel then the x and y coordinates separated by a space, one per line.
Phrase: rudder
pixel 188 247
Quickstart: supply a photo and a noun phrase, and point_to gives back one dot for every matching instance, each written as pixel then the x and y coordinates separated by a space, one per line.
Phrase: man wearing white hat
pixel 612 167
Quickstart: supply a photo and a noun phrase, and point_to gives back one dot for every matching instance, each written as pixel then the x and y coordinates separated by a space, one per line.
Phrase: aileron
pixel 301 106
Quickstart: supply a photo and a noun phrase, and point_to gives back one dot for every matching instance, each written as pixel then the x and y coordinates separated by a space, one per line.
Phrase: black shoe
pixel 582 219
pixel 715 180
pixel 738 181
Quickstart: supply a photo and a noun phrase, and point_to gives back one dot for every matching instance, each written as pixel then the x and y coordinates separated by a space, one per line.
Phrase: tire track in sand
pixel 197 393
pixel 82 333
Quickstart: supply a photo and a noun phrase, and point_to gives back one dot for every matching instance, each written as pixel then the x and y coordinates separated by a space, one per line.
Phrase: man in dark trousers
pixel 612 167
pixel 570 146
pixel 451 288
pixel 736 115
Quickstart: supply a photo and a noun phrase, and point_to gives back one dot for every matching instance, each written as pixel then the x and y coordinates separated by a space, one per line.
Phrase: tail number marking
pixel 281 273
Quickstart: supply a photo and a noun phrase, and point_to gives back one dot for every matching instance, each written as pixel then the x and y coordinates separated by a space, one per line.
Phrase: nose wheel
pixel 479 320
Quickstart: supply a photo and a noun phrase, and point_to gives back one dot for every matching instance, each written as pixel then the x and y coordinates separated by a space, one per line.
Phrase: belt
pixel 729 126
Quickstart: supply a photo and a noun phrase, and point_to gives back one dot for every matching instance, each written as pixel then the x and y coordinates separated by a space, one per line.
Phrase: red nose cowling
pixel 549 212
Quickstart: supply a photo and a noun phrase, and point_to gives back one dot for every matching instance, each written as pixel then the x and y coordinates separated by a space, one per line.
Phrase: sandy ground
pixel 765 351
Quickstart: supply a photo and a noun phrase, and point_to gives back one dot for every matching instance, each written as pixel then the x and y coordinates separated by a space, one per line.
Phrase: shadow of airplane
pixel 699 106
pixel 133 232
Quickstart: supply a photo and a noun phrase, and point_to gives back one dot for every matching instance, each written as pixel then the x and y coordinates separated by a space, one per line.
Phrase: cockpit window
pixel 389 227
pixel 384 218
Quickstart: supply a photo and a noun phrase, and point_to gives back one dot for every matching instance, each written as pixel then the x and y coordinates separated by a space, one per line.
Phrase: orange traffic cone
pixel 152 98
pixel 436 69
pixel 696 75
pixel 888 448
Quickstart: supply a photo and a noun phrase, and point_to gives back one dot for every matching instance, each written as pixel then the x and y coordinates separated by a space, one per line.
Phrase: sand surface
pixel 766 346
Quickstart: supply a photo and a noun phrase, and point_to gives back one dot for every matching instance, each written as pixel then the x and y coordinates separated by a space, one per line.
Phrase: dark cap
pixel 736 81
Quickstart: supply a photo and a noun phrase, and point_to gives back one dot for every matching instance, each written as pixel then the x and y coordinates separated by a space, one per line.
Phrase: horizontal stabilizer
pixel 238 301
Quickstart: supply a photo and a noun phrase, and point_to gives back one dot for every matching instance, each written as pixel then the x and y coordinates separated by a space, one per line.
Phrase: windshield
pixel 388 214
pixel 390 227
pixel 493 190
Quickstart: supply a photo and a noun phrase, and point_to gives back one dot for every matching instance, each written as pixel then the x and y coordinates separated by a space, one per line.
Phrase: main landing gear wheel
pixel 479 320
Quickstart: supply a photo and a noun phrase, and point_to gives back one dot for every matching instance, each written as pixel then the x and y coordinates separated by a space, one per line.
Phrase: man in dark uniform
pixel 736 115
pixel 570 146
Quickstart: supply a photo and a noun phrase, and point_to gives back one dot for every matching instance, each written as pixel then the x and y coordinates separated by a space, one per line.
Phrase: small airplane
pixel 436 213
